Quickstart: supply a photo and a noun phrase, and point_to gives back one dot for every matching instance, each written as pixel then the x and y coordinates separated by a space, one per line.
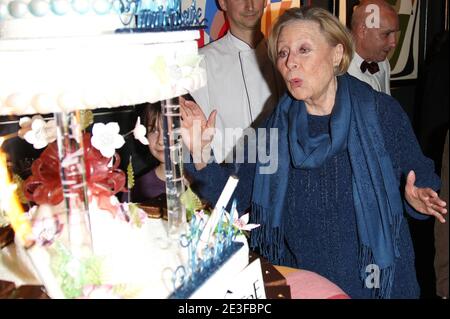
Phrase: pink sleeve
pixel 309 285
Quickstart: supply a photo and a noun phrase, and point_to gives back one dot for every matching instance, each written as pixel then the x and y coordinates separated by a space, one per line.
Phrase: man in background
pixel 374 26
pixel 242 84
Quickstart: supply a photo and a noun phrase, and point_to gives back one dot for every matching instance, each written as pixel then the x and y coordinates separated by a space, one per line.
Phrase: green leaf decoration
pixel 130 173
pixel 191 202
pixel 134 214
pixel 86 119
pixel 73 274
pixel 19 182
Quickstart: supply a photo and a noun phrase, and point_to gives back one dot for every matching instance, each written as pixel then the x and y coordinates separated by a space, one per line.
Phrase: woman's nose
pixel 291 62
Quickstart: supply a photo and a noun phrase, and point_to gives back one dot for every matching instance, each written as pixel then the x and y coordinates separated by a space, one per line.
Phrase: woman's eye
pixel 304 50
pixel 282 54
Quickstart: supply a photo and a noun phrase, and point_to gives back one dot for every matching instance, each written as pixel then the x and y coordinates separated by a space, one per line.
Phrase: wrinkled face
pixel 306 60
pixel 155 141
pixel 378 42
pixel 244 14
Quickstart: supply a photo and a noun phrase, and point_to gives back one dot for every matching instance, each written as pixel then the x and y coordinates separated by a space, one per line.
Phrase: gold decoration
pixel 86 119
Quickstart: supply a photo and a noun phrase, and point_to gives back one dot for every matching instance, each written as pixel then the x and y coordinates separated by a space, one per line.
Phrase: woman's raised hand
pixel 197 131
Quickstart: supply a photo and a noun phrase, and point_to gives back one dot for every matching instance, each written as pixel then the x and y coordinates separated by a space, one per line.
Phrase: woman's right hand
pixel 197 131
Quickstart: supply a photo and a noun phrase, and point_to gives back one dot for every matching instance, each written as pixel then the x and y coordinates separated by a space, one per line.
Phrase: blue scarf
pixel 377 201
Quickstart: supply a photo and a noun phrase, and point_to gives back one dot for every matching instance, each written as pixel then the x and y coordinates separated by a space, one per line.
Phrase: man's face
pixel 378 42
pixel 244 14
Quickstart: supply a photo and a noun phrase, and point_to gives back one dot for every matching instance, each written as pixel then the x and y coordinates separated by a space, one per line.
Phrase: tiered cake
pixel 57 56
pixel 66 68
pixel 132 259
pixel 53 18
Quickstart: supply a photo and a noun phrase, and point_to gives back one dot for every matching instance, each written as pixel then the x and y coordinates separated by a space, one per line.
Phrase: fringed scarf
pixel 377 201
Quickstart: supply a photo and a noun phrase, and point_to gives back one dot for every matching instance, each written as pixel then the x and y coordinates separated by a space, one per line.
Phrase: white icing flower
pixel 140 132
pixel 106 138
pixel 36 131
pixel 242 222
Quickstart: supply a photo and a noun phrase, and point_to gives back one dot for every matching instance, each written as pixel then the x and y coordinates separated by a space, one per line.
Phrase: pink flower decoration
pixel 242 223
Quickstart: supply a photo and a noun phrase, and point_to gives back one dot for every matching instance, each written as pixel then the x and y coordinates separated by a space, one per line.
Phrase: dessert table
pixel 279 282
pixel 291 284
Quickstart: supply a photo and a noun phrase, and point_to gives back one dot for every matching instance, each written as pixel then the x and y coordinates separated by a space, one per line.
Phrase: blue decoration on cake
pixel 189 285
pixel 159 15
pixel 204 260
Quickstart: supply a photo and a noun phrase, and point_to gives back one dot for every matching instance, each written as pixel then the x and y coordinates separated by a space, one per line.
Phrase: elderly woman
pixel 345 154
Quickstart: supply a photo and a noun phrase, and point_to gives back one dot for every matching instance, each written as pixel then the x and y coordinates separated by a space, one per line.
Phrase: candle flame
pixel 10 204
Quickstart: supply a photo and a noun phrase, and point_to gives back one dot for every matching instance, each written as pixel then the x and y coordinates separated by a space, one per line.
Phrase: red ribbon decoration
pixel 44 185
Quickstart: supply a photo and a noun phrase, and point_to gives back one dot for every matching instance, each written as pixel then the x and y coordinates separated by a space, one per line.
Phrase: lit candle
pixel 221 204
pixel 38 256
pixel 11 205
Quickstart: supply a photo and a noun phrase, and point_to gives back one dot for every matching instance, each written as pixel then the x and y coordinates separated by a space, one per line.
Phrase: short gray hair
pixel 333 30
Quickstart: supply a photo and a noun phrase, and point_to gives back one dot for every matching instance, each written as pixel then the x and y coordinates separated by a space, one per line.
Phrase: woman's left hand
pixel 424 200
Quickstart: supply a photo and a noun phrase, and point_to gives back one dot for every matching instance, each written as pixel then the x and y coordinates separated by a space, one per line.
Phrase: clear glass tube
pixel 73 180
pixel 173 156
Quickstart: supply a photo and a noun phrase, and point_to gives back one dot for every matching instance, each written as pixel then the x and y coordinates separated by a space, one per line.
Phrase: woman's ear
pixel 338 55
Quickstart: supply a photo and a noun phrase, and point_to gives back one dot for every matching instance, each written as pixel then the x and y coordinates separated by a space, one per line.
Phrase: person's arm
pixel 197 132
pixel 209 182
pixel 420 187
pixel 209 178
